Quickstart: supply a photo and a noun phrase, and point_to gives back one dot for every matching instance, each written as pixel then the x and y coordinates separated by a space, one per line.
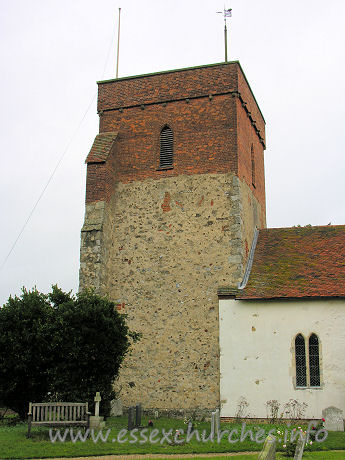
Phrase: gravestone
pixel 96 421
pixel 217 421
pixel 97 400
pixel 138 415
pixel 213 419
pixel 116 408
pixel 269 449
pixel 131 412
pixel 299 448
pixel 333 419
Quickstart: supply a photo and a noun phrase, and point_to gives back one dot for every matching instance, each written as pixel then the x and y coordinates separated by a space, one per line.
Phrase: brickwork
pixel 204 138
pixel 247 138
pixel 167 86
pixel 250 104
pixel 160 242
pixel 99 182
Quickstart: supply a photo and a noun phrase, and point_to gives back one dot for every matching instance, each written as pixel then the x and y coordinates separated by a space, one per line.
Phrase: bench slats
pixel 56 404
pixel 78 422
pixel 58 412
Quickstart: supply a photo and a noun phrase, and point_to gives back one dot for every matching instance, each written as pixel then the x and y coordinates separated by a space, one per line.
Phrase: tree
pixel 25 360
pixel 90 343
pixel 60 347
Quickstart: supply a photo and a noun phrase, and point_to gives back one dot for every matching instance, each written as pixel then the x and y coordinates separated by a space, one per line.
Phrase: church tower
pixel 175 188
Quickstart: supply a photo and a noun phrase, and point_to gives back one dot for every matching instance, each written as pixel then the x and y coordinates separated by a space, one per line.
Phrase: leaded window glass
pixel 314 362
pixel 301 367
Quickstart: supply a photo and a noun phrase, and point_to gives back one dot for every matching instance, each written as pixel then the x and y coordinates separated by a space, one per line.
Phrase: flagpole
pixel 118 45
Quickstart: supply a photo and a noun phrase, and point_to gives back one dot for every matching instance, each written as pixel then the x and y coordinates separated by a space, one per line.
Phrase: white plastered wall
pixel 257 353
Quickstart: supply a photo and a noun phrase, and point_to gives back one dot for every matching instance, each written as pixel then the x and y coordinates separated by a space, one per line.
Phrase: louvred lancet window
pixel 166 148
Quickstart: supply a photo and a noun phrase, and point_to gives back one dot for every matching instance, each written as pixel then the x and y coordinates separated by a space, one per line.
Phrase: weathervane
pixel 227 14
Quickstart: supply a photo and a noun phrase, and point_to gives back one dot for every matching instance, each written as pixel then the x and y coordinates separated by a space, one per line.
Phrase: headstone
pixel 299 448
pixel 97 400
pixel 156 414
pixel 334 420
pixel 138 415
pixel 213 418
pixel 269 449
pixel 116 408
pixel 95 421
pixel 131 423
pixel 217 421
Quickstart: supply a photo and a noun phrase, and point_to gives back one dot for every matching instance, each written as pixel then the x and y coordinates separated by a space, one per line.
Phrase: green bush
pixel 60 347
pixel 26 326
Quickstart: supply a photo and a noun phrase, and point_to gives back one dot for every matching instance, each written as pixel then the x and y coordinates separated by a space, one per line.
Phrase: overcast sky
pixel 54 51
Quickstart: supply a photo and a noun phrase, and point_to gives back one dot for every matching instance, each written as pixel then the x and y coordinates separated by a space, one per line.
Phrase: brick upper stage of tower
pixel 211 110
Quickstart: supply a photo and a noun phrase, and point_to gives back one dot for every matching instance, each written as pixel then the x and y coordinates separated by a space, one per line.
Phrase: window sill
pixel 308 388
pixel 164 168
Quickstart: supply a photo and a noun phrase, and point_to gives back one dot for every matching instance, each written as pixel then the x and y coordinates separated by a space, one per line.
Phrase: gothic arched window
pixel 301 365
pixel 307 358
pixel 314 361
pixel 166 148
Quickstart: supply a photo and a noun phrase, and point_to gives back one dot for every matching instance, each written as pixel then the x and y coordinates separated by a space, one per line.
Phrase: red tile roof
pixel 297 262
pixel 101 147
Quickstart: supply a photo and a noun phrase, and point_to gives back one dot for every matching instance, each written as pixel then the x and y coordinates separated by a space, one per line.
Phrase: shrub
pixel 26 326
pixel 60 347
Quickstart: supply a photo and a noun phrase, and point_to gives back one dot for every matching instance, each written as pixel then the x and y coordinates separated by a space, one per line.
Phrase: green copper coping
pixel 112 80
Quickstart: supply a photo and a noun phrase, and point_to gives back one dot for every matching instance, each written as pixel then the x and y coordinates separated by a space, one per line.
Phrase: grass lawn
pixel 237 457
pixel 325 455
pixel 14 444
pixel 329 455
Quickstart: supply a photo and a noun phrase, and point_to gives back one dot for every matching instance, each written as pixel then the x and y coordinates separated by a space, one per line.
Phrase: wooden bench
pixel 58 414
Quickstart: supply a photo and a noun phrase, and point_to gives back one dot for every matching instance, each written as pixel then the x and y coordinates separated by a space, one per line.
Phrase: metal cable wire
pixel 59 161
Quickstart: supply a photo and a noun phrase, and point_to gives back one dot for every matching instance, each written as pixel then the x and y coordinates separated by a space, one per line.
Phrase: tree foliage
pixel 60 347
